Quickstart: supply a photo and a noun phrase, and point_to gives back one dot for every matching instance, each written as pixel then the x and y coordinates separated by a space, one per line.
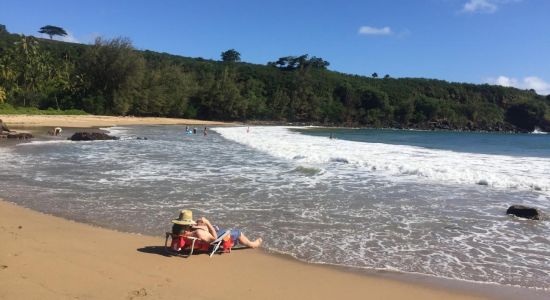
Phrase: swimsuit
pixel 233 233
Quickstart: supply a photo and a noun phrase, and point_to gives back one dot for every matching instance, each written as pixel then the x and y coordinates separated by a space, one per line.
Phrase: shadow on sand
pixel 161 250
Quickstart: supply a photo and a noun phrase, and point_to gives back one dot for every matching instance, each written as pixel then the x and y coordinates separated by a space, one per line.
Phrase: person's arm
pixel 204 236
pixel 211 228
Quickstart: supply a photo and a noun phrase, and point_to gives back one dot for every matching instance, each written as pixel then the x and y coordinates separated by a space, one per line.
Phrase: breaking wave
pixel 399 162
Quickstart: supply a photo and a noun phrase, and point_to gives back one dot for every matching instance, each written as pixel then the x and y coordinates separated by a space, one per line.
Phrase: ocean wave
pixel 308 170
pixel 37 143
pixel 399 162
pixel 538 131
pixel 121 132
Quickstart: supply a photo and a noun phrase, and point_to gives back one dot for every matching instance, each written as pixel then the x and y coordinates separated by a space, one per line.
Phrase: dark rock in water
pixel 142 138
pixel 524 212
pixel 339 160
pixel 20 136
pixel 483 182
pixel 91 136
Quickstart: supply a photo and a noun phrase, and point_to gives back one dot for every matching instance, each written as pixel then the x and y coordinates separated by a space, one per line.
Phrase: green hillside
pixel 111 77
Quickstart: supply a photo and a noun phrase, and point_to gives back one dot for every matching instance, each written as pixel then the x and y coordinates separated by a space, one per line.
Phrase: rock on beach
pixel 91 136
pixel 524 212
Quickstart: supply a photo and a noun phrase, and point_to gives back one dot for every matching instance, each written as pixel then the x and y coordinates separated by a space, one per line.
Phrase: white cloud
pixel 367 30
pixel 530 82
pixel 504 81
pixel 68 38
pixel 484 6
pixel 480 6
pixel 542 87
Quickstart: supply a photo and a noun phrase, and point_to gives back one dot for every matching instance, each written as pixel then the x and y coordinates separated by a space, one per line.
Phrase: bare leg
pixel 252 244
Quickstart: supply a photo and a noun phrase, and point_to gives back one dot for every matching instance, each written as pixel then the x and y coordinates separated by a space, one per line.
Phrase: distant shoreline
pixel 430 126
pixel 24 122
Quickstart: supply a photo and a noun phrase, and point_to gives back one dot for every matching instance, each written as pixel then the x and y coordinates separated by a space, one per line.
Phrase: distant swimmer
pixel 57 131
pixel 205 132
pixel 195 130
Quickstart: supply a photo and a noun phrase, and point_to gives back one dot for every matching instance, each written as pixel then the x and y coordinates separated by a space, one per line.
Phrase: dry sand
pixel 29 121
pixel 46 257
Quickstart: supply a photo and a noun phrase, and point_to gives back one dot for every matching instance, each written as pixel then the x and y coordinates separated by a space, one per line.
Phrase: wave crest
pixel 399 161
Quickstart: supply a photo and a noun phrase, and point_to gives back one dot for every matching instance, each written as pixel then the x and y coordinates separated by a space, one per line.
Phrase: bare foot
pixel 256 243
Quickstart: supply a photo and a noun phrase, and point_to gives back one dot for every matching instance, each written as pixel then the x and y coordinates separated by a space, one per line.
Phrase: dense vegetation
pixel 111 77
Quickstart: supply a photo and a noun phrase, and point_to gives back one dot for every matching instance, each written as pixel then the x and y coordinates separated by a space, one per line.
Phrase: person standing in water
pixel 4 127
pixel 205 131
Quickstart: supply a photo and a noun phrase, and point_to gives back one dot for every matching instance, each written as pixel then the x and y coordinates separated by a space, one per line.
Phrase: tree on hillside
pixel 29 67
pixel 113 70
pixel 318 63
pixel 2 95
pixel 52 30
pixel 231 55
pixel 299 62
pixel 374 75
pixel 526 115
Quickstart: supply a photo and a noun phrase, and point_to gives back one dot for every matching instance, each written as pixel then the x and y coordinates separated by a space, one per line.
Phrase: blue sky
pixel 504 42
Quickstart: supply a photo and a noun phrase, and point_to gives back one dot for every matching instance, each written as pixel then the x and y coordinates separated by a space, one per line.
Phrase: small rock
pixel 20 135
pixel 483 182
pixel 138 293
pixel 524 212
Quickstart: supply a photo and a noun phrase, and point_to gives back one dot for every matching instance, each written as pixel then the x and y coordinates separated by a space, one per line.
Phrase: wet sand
pixel 47 257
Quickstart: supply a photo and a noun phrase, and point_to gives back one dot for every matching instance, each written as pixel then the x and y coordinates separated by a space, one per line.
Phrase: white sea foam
pixel 36 143
pixel 538 131
pixel 119 131
pixel 400 162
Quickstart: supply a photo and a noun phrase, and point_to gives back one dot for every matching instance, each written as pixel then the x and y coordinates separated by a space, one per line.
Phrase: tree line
pixel 111 77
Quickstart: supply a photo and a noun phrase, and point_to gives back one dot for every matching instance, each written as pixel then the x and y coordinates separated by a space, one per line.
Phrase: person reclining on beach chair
pixel 203 236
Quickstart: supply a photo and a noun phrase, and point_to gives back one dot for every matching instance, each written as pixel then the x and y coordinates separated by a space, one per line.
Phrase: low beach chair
pixel 224 243
pixel 179 244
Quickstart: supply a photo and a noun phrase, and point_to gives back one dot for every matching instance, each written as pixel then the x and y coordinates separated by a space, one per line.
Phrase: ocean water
pixel 432 203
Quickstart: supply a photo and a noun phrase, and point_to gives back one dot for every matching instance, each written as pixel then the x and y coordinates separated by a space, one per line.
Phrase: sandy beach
pixel 75 121
pixel 51 258
pixel 47 257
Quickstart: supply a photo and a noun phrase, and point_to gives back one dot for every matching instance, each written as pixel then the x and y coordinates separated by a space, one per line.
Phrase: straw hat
pixel 185 218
